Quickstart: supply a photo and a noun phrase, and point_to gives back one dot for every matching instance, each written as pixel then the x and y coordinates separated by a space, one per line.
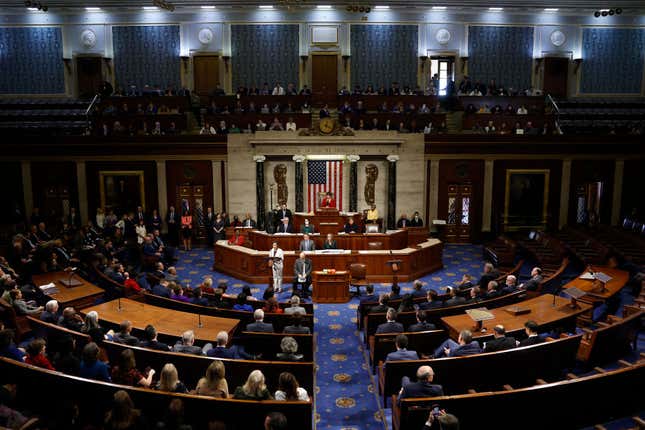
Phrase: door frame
pixel 191 67
pixel 339 65
pixel 105 72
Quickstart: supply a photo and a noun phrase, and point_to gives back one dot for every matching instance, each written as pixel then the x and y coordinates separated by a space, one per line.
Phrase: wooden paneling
pixel 206 72
pixel 556 73
pixel 51 182
pixel 324 75
pixel 587 171
pixel 190 173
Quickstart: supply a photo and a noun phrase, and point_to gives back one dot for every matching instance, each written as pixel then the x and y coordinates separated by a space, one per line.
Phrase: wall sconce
pixel 538 64
pixel 464 62
pixel 423 59
pixel 185 60
pixel 345 61
pixel 577 62
pixel 226 59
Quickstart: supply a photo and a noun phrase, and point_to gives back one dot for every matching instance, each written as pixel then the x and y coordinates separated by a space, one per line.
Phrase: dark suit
pixel 221 352
pixel 350 228
pixel 186 349
pixel 416 222
pixel 531 340
pixel 372 298
pixel 307 245
pixel 153 344
pixel 299 267
pixel 421 389
pixel 292 329
pixel 284 228
pixel 402 355
pixel 260 326
pixel 209 223
pixel 49 317
pixel 533 284
pixel 330 245
pixel 125 338
pixel 378 309
pixel 248 223
pixel 172 221
pixel 403 222
pixel 487 277
pixel 500 344
pixel 160 290
pixel 435 304
pixel 389 327
pixel 422 326
pixel 455 301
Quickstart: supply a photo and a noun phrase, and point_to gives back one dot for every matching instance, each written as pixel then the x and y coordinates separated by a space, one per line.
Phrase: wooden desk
pixel 332 222
pixel 618 280
pixel 542 312
pixel 355 241
pixel 167 322
pixel 330 288
pixel 78 297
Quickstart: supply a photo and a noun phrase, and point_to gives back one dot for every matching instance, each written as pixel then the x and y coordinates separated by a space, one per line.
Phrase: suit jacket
pixel 532 340
pixel 402 355
pixel 435 304
pixel 330 245
pixel 533 284
pixel 260 326
pixel 487 277
pixel 292 310
pixel 421 389
pixel 186 349
pixel 369 299
pixel 454 301
pixel 302 265
pixel 159 290
pixel 284 214
pixel 350 228
pixel 389 327
pixel 292 329
pixel 307 245
pixel 221 352
pixel 416 223
pixel 174 217
pixel 467 349
pixel 378 309
pixel 500 344
pixel 248 223
pixel 125 338
pixel 422 326
pixel 403 222
pixel 153 344
pixel 284 228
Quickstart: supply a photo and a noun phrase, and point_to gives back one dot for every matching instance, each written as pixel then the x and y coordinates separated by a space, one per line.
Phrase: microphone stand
pixel 199 321
pixel 119 308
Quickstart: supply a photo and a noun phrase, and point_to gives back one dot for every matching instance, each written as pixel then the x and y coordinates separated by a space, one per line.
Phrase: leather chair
pixel 358 277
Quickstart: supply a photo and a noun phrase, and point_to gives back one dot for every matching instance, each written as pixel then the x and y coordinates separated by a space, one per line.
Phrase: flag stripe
pixel 324 176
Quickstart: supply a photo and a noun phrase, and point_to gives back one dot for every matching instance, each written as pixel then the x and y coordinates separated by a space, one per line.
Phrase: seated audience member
pixel 272 306
pixel 476 295
pixel 213 383
pixel 465 283
pixel 295 306
pixel 7 347
pixel 198 298
pixel 422 324
pixel 259 325
pixel 500 342
pixel 268 293
pixel 522 110
pixel 178 294
pixel 350 226
pixel 465 345
pixel 126 373
pixel 382 307
pixel 285 226
pixel 123 415
pixel 169 380
pixel 531 330
pixel 418 291
pixel 416 220
pixel 296 326
pixel 492 291
pixel 161 289
pixel 50 314
pixel 207 129
pixel 36 354
pixel 124 334
pixel 490 274
pixel 151 340
pixel 510 285
pixel 241 304
pixel 407 304
pixel 307 227
pixel 261 125
pixel 276 125
pixel 288 389
pixel 432 302
pixel 186 344
pixel 91 367
pixel 454 299
pixel 291 125
pixel 289 348
pixel 402 353
pixel 423 387
pixel 533 284
pixel 395 292
pixel 306 244
pixel 372 214
pixel 21 306
pixel 71 320
pixel 330 243
pixel 390 325
pixel 237 238
pixel 220 350
pixel 370 297
pixel 254 388
pixel 517 128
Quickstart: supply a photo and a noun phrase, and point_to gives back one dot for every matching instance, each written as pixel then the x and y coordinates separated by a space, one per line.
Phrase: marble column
pixel 81 180
pixel 488 196
pixel 565 188
pixel 300 183
pixel 259 189
pixel 27 189
pixel 617 195
pixel 162 193
pixel 353 182
pixel 433 203
pixel 391 191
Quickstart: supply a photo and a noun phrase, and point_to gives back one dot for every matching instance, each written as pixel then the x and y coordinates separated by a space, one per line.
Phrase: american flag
pixel 324 176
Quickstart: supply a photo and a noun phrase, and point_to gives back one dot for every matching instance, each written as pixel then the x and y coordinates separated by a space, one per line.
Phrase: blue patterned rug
pixel 346 394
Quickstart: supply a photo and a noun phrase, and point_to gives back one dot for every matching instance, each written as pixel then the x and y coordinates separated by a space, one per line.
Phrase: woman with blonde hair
pixel 214 382
pixel 254 388
pixel 169 380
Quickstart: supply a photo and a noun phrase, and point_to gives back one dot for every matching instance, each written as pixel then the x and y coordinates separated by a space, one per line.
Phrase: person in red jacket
pixel 328 201
pixel 36 354
pixel 237 239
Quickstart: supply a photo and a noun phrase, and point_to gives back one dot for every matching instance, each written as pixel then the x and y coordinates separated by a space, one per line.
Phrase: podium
pixel 395 265
pixel 330 287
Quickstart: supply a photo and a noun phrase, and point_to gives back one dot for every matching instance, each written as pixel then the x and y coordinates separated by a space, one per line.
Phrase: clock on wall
pixel 443 36
pixel 558 38
pixel 88 38
pixel 205 36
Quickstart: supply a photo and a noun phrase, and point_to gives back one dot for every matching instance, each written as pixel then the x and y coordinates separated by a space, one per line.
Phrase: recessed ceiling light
pixel 92 9
pixel 439 7
pixel 32 9
pixel 266 6
pixel 383 7
pixel 150 8
pixel 323 6
pixel 551 9
pixel 495 9
pixel 208 7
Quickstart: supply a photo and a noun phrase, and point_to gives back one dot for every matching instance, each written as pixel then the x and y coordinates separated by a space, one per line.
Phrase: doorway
pixel 458 220
pixel 588 198
pixel 89 76
pixel 206 73
pixel 556 73
pixel 324 76
pixel 444 67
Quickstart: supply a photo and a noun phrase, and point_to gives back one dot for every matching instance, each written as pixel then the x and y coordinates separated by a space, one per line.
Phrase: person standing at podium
pixel 328 201
pixel 276 260
pixel 302 274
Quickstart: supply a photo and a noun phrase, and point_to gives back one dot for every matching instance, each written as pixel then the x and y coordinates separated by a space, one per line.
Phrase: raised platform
pixel 250 265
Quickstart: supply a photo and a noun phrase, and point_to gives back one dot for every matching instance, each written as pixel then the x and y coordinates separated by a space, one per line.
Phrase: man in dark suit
pixel 465 283
pixel 454 299
pixel 50 314
pixel 416 220
pixel 151 340
pixel 401 353
pixel 139 216
pixel 222 351
pixel 285 226
pixel 500 342
pixel 248 221
pixel 330 243
pixel 296 326
pixel 370 297
pixel 302 274
pixel 350 226
pixel 423 387
pixel 73 219
pixel 493 290
pixel 510 285
pixel 161 289
pixel 390 325
pixel 533 284
pixel 490 274
pixel 382 306
pixel 465 345
pixel 418 289
pixel 395 292
pixel 259 325
pixel 172 221
pixel 186 344
pixel 209 223
pixel 124 336
pixel 475 295
pixel 306 244
pixel 432 301
pixel 283 212
pixel 531 330
pixel 403 222
pixel 422 324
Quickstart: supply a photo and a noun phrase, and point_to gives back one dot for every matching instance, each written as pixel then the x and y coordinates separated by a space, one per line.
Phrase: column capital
pixel 259 158
pixel 392 158
pixel 298 158
pixel 353 158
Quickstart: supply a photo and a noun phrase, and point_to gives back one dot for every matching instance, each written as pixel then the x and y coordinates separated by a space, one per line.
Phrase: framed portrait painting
pixel 526 198
pixel 122 190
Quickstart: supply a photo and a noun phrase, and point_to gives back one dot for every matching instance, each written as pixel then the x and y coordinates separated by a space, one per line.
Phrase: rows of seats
pixel 605 116
pixel 59 116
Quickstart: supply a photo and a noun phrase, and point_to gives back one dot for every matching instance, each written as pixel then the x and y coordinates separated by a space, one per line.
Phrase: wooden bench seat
pixel 423 342
pixel 610 341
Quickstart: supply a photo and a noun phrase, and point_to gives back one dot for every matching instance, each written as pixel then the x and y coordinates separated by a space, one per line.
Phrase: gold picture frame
pixel 115 189
pixel 526 198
